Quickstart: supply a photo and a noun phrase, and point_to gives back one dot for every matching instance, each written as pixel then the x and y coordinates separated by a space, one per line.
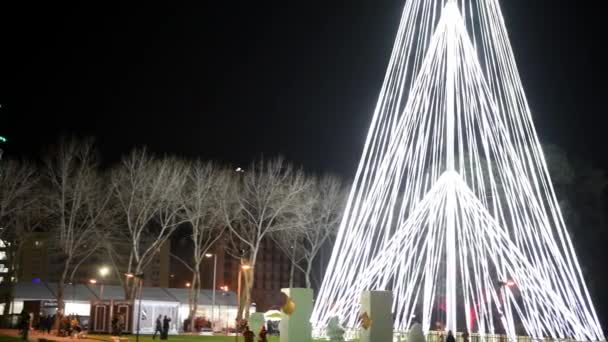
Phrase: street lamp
pixel 103 272
pixel 209 255
pixel 140 280
pixel 188 284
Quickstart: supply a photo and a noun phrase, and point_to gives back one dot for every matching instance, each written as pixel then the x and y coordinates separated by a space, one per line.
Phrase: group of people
pixel 70 326
pixel 45 323
pixel 162 327
pixel 248 335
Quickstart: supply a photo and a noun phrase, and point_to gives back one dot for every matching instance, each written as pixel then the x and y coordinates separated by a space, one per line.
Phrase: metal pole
pixel 101 291
pixel 213 295
pixel 139 310
pixel 238 309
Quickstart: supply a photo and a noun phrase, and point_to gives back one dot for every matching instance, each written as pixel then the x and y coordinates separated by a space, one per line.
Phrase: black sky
pixel 233 80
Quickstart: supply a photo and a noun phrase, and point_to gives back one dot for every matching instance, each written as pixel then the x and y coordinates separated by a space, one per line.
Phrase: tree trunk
pixel 307 274
pixel 194 291
pixel 61 287
pixel 291 274
pixel 248 276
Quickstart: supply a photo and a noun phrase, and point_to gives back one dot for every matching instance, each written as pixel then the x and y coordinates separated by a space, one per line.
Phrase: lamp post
pixel 103 272
pixel 224 293
pixel 209 255
pixel 140 281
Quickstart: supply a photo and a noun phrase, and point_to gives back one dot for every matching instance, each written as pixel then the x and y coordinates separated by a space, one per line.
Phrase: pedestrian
pixel 450 337
pixel 24 324
pixel 262 335
pixel 248 335
pixel 115 324
pixel 50 320
pixel 165 334
pixel 158 327
pixel 40 323
pixel 465 336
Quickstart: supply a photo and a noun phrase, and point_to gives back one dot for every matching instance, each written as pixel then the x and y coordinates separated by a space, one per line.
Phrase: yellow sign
pixel 366 321
pixel 289 307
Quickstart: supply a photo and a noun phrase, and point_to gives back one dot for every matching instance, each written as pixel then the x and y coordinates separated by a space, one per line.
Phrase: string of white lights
pixel 452 198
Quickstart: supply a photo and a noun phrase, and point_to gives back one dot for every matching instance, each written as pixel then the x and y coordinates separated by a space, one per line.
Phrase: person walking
pixel 165 334
pixel 24 324
pixel 158 327
pixel 248 335
pixel 450 337
pixel 48 324
pixel 262 335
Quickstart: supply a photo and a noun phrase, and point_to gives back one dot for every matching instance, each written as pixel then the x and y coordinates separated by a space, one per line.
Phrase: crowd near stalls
pixel 103 308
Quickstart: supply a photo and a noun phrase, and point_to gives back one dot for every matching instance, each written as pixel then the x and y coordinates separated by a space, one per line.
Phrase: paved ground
pixel 34 337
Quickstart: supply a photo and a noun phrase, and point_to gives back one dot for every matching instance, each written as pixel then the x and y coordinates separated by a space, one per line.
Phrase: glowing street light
pixel 188 284
pixel 104 271
pixel 93 281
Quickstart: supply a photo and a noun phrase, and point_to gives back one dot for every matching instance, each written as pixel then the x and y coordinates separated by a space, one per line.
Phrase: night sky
pixel 234 80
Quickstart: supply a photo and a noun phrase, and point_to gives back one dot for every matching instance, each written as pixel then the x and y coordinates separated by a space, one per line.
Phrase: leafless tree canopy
pixel 127 213
pixel 76 201
pixel 18 184
pixel 315 221
pixel 147 191
pixel 201 209
pixel 263 199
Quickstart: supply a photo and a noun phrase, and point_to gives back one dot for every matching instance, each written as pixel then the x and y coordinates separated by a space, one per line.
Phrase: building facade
pixel 37 262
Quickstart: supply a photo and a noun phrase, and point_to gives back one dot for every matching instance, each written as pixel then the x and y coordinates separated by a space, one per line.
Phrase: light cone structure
pixel 452 201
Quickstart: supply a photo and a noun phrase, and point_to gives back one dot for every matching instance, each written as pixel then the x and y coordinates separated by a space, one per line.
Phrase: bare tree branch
pixel 256 207
pixel 147 191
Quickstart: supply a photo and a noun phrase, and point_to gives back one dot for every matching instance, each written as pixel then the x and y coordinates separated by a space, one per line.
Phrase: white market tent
pixel 155 301
pixel 222 312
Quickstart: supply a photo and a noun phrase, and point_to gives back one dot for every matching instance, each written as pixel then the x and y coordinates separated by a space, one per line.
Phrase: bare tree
pixel 259 205
pixel 20 215
pixel 76 201
pixel 317 220
pixel 147 190
pixel 291 243
pixel 17 180
pixel 200 201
